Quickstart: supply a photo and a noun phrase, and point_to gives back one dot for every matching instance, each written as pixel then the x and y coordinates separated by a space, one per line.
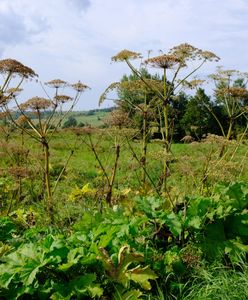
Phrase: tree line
pixel 195 114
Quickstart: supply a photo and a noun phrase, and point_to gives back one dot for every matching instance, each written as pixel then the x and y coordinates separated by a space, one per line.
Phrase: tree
pixel 70 122
pixel 176 112
pixel 197 120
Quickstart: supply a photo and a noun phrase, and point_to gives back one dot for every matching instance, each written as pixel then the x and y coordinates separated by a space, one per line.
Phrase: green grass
pixel 94 119
pixel 219 283
pixel 188 162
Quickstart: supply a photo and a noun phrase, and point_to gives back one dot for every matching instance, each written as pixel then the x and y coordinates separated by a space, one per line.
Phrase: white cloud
pixel 75 39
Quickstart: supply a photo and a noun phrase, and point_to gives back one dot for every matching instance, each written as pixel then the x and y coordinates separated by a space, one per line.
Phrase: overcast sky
pixel 75 39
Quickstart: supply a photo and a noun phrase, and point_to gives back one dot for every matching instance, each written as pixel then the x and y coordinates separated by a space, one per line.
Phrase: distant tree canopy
pixel 70 122
pixel 194 115
pixel 197 119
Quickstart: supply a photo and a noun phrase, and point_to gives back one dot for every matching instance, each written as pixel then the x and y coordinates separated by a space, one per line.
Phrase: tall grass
pixel 220 283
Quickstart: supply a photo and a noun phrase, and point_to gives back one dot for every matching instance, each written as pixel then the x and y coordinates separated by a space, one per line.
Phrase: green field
pixel 95 119
pixel 90 118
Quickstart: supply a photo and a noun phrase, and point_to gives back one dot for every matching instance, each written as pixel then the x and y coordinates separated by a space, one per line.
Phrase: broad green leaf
pixel 174 223
pixel 6 277
pixel 73 258
pixel 195 222
pixel 142 276
pixel 7 228
pixel 237 225
pixel 84 285
pixel 4 249
pixel 172 260
pixel 129 295
pixel 95 290
pixel 82 282
pixel 108 236
pixel 239 245
pixel 58 296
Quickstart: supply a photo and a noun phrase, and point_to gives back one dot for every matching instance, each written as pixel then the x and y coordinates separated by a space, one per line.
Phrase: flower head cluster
pixel 15 67
pixel 110 88
pixel 195 83
pixel 139 86
pixel 56 83
pixel 6 96
pixel 223 75
pixel 4 99
pixel 118 118
pixel 36 103
pixel 79 86
pixel 13 92
pixel 184 51
pixel 22 120
pixel 3 115
pixel 126 55
pixel 235 92
pixel 62 98
pixel 208 55
pixel 165 61
pixel 19 172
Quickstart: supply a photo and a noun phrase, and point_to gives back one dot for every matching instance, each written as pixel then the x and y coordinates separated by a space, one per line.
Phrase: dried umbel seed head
pixel 165 61
pixel 62 98
pixel 210 56
pixel 187 139
pixel 88 130
pixel 4 99
pixel 223 75
pixel 235 92
pixel 36 103
pixel 15 67
pixel 195 83
pixel 3 115
pixel 56 83
pixel 118 118
pixel 126 55
pixel 186 52
pixel 213 138
pixel 22 120
pixel 110 88
pixel 19 172
pixel 13 92
pixel 79 86
pixel 139 86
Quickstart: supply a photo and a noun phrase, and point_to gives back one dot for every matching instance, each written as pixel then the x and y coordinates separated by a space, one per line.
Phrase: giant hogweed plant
pixel 175 67
pixel 136 89
pixel 107 169
pixel 120 253
pixel 43 130
pixel 232 96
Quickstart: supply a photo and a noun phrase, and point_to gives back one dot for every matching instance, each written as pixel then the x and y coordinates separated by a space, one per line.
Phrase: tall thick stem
pixel 166 136
pixel 228 136
pixel 112 179
pixel 144 143
pixel 230 128
pixel 49 204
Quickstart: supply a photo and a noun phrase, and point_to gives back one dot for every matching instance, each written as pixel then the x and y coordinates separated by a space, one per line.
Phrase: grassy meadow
pixel 189 242
pixel 70 149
